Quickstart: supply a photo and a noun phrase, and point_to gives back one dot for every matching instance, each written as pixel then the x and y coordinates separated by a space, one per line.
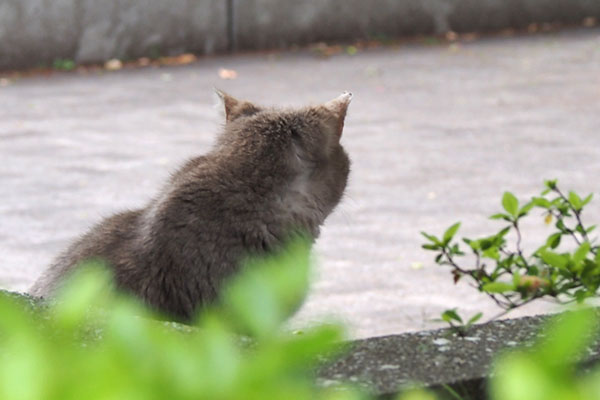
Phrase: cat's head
pixel 300 145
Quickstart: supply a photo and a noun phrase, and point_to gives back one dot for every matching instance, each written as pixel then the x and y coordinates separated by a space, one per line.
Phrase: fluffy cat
pixel 272 173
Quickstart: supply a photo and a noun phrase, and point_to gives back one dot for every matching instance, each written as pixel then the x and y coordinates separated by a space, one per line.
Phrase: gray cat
pixel 272 173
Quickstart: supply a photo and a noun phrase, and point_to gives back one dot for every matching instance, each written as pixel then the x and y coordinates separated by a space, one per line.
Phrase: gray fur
pixel 271 174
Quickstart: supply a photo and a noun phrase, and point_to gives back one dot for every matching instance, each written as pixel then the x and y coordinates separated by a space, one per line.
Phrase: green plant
pixel 64 64
pixel 96 344
pixel 548 370
pixel 509 275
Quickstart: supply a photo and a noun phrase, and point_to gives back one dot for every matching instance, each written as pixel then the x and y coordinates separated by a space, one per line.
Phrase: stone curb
pixel 436 359
pixel 38 32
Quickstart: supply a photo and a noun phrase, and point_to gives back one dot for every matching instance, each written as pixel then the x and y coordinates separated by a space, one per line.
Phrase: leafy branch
pixel 508 275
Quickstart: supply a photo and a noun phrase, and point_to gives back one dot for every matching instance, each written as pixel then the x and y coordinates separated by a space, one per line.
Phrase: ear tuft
pixel 338 108
pixel 235 108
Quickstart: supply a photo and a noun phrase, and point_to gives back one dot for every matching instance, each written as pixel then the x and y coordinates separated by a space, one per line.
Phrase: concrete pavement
pixel 436 134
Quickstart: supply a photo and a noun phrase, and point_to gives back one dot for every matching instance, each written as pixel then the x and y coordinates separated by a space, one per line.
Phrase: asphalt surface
pixel 436 134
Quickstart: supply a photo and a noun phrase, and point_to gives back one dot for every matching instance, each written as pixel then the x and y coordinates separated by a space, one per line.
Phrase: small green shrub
pixel 510 276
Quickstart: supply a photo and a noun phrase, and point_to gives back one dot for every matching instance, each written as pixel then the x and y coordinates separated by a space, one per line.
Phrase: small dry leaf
pixel 507 32
pixel 451 35
pixel 456 276
pixel 532 28
pixel 182 59
pixel 469 37
pixel 324 50
pixel 186 58
pixel 227 73
pixel 144 62
pixel 589 22
pixel 548 219
pixel 113 65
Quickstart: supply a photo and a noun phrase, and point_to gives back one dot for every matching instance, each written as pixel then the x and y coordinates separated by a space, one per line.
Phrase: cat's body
pixel 271 174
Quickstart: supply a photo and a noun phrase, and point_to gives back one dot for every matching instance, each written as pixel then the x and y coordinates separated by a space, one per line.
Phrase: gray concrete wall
pixel 261 24
pixel 36 32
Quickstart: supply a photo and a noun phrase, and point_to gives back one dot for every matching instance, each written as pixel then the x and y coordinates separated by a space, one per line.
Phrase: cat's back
pixel 112 242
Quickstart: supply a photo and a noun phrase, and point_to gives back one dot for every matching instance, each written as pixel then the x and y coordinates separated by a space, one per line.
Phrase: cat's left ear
pixel 338 107
pixel 235 108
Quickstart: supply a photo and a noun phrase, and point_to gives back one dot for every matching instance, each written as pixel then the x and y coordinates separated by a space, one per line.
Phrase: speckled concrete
pixel 436 135
pixel 436 358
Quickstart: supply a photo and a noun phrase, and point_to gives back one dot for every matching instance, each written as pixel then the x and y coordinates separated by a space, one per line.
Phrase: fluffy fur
pixel 272 173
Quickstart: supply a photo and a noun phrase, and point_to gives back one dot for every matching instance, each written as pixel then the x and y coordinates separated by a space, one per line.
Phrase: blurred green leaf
pixel 498 287
pixel 474 318
pixel 554 240
pixel 581 252
pixel 541 202
pixel 450 315
pixel 510 203
pixel 450 232
pixel 556 260
pixel 432 238
pixel 270 289
pixel 575 200
pixel 587 199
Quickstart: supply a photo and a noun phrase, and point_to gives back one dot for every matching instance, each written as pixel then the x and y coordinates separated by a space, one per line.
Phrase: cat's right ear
pixel 235 108
pixel 337 109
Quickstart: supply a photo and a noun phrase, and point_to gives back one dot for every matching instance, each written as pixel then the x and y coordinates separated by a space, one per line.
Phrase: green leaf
pixel 551 184
pixel 474 244
pixel 510 203
pixel 500 216
pixel 575 200
pixel 486 244
pixel 554 259
pixel 498 287
pixel 503 232
pixel 526 208
pixel 516 278
pixel 450 232
pixel 275 284
pixel 582 252
pixel 554 240
pixel 492 253
pixel 587 199
pixel 431 238
pixel 541 202
pixel 474 318
pixel 431 247
pixel 568 335
pixel 450 315
pixel 581 295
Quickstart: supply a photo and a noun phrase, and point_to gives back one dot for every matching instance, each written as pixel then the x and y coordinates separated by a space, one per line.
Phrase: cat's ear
pixel 337 108
pixel 235 108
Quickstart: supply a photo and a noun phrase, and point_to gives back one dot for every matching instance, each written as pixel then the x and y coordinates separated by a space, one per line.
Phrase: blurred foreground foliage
pixel 549 370
pixel 95 344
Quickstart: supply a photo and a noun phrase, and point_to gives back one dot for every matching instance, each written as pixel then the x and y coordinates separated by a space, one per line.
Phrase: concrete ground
pixel 436 134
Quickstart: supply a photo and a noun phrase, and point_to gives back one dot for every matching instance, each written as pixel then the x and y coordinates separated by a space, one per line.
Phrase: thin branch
pixel 577 215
